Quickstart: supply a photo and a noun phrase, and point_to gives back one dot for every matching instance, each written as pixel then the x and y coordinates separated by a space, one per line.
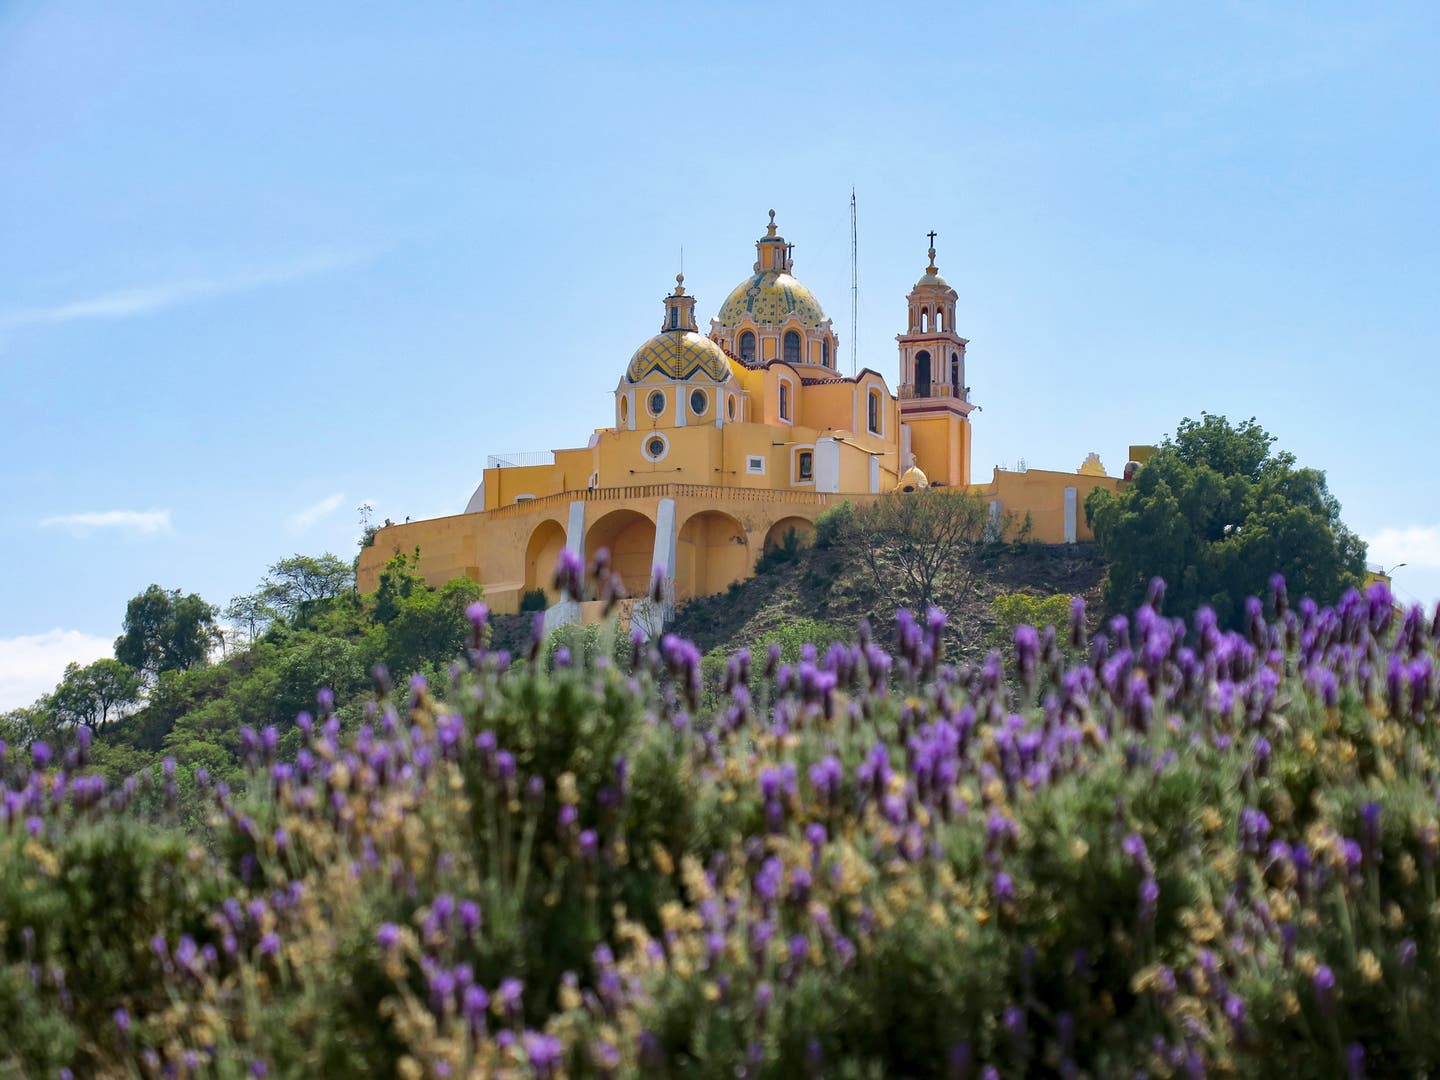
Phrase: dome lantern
pixel 679 350
pixel 679 308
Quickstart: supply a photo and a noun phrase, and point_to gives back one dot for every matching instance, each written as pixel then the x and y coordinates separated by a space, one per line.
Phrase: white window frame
pixel 788 397
pixel 645 446
pixel 755 464
pixel 795 452
pixel 649 395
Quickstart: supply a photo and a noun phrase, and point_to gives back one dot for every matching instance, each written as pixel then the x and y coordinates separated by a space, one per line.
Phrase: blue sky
pixel 262 262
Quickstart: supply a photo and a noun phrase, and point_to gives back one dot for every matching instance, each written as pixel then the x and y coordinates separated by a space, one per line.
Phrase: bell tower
pixel 934 397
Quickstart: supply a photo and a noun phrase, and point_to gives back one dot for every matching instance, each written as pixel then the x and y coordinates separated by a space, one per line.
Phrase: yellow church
pixel 723 442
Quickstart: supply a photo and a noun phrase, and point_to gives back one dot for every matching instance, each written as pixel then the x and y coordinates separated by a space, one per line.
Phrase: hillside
pixel 831 585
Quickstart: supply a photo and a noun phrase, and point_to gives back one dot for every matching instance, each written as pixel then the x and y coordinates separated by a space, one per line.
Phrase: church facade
pixel 723 442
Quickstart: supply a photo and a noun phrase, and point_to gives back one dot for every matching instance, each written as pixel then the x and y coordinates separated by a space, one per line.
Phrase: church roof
pixel 770 297
pixel 679 354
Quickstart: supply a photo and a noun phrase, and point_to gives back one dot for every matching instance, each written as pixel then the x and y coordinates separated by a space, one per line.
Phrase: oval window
pixel 730 408
pixel 698 402
pixel 657 403
pixel 656 447
pixel 624 411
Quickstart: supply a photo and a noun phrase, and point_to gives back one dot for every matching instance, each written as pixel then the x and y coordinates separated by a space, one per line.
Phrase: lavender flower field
pixel 1189 853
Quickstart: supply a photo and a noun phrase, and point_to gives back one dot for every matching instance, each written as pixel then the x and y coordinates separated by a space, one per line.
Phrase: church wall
pixel 1041 493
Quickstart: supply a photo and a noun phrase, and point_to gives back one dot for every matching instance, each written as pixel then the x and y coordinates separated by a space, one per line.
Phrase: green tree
pixel 166 631
pixel 1215 512
pixel 296 585
pixel 253 613
pixel 95 696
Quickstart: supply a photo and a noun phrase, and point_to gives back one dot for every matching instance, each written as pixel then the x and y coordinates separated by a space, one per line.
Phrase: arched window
pixel 922 374
pixel 940 320
pixel 873 411
pixel 792 347
pixel 825 352
pixel 955 374
pixel 784 400
pixel 747 347
pixel 925 320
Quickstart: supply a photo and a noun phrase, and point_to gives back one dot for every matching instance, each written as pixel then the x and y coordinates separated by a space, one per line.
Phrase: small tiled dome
pixel 679 354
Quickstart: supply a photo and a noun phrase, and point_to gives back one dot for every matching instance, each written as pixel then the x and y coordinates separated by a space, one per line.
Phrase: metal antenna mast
pixel 854 286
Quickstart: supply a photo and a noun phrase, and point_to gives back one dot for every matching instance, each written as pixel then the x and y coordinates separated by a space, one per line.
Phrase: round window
pixel 657 403
pixel 656 447
pixel 698 402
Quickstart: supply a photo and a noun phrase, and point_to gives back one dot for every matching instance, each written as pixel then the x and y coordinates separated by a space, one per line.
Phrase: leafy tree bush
pixel 1012 610
pixel 830 525
pixel 533 600
pixel 1215 512
pixel 166 631
pixel 96 695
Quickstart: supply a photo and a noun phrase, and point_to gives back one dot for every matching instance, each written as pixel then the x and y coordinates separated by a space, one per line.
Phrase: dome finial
pixel 770 229
pixel 680 283
pixel 932 269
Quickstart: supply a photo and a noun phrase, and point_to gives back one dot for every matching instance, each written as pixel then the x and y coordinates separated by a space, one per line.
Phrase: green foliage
pixel 533 600
pixel 1010 610
pixel 796 634
pixel 785 553
pixel 831 524
pixel 166 631
pixel 297 585
pixel 96 695
pixel 1215 512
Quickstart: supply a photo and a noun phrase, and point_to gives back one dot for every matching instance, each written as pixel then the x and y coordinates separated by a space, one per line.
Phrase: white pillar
pixel 906 458
pixel 874 475
pixel 575 529
pixel 827 464
pixel 1071 500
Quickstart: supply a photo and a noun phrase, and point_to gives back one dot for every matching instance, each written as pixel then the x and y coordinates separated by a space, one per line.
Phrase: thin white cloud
pixel 1418 546
pixel 128 303
pixel 31 664
pixel 135 522
pixel 309 516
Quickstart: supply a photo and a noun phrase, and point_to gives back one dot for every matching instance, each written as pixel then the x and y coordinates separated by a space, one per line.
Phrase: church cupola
pixel 679 308
pixel 770 316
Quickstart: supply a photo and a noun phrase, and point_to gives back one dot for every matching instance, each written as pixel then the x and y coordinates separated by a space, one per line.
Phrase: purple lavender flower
pixel 1323 984
pixel 40 754
pixel 388 936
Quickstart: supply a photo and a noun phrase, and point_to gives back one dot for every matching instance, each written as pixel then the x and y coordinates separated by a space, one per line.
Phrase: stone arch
pixel 804 530
pixel 711 551
pixel 629 536
pixel 544 547
pixel 922 374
